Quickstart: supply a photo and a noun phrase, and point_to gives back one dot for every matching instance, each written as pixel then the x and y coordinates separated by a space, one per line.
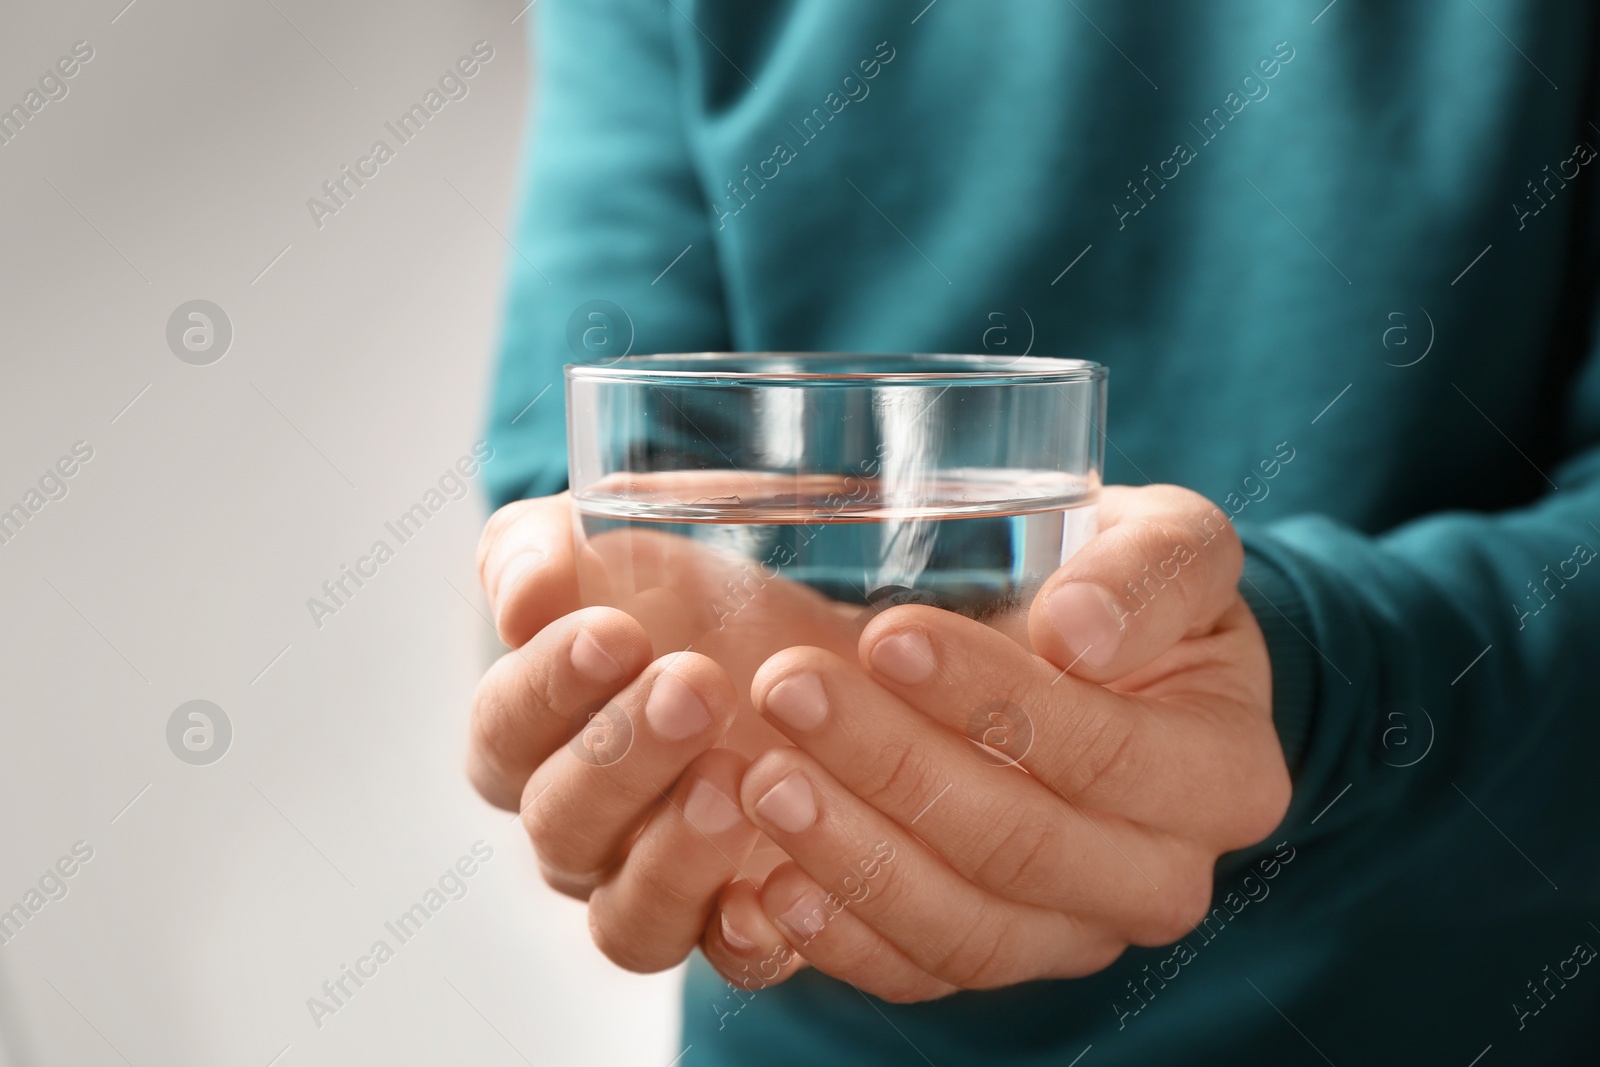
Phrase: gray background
pixel 179 564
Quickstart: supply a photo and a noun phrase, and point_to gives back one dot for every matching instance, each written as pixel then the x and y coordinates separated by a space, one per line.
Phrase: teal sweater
pixel 1342 267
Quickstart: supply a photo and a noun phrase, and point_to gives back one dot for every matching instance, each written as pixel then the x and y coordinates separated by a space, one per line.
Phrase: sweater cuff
pixel 1285 620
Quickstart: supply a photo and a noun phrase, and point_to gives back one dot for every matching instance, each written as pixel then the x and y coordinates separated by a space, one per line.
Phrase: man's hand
pixel 1135 748
pixel 632 810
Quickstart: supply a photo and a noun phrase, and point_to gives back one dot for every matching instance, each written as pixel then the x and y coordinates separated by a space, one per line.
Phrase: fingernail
pixel 798 701
pixel 1088 620
pixel 733 937
pixel 673 710
pixel 592 661
pixel 906 658
pixel 806 916
pixel 517 568
pixel 710 810
pixel 790 805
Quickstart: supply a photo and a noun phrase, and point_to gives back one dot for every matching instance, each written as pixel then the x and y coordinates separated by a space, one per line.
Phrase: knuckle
pixel 1103 757
pixel 892 891
pixel 631 953
pixel 1201 522
pixel 647 932
pixel 846 953
pixel 488 730
pixel 1217 532
pixel 671 901
pixel 539 687
pixel 1266 805
pixel 1194 529
pixel 1181 500
pixel 1021 863
pixel 540 829
pixel 489 712
pixel 506 695
pixel 979 960
pixel 1179 907
pixel 504 516
pixel 567 854
pixel 903 778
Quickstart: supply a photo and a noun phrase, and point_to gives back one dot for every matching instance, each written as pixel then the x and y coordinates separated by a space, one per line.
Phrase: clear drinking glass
pixel 739 504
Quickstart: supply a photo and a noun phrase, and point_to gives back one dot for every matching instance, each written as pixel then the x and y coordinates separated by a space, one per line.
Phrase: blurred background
pixel 241 453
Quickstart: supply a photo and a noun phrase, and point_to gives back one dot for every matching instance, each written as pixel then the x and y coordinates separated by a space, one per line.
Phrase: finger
pixel 536 697
pixel 837 942
pixel 1006 832
pixel 942 923
pixel 650 913
pixel 1172 768
pixel 583 804
pixel 525 565
pixel 1080 739
pixel 1164 566
pixel 744 946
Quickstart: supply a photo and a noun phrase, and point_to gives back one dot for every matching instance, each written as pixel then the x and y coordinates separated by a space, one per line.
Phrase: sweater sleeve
pixel 1452 655
pixel 609 200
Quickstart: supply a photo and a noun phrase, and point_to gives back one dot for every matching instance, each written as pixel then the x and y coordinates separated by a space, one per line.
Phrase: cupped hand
pixel 962 813
pixel 607 754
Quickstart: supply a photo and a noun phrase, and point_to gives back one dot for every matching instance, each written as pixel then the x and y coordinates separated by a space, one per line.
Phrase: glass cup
pixel 739 504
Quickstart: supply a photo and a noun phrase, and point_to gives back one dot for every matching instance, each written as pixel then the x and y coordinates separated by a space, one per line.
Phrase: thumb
pixel 1164 566
pixel 525 565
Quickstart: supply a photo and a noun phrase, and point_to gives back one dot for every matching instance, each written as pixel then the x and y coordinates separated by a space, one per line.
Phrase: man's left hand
pixel 962 813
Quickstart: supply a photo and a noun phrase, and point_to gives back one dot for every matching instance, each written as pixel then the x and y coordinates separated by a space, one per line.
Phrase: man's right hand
pixel 607 755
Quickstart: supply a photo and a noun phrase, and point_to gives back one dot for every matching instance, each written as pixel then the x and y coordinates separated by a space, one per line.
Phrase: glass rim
pixel 965 369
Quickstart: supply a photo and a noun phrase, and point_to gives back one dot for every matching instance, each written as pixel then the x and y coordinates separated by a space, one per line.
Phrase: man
pixel 1341 264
